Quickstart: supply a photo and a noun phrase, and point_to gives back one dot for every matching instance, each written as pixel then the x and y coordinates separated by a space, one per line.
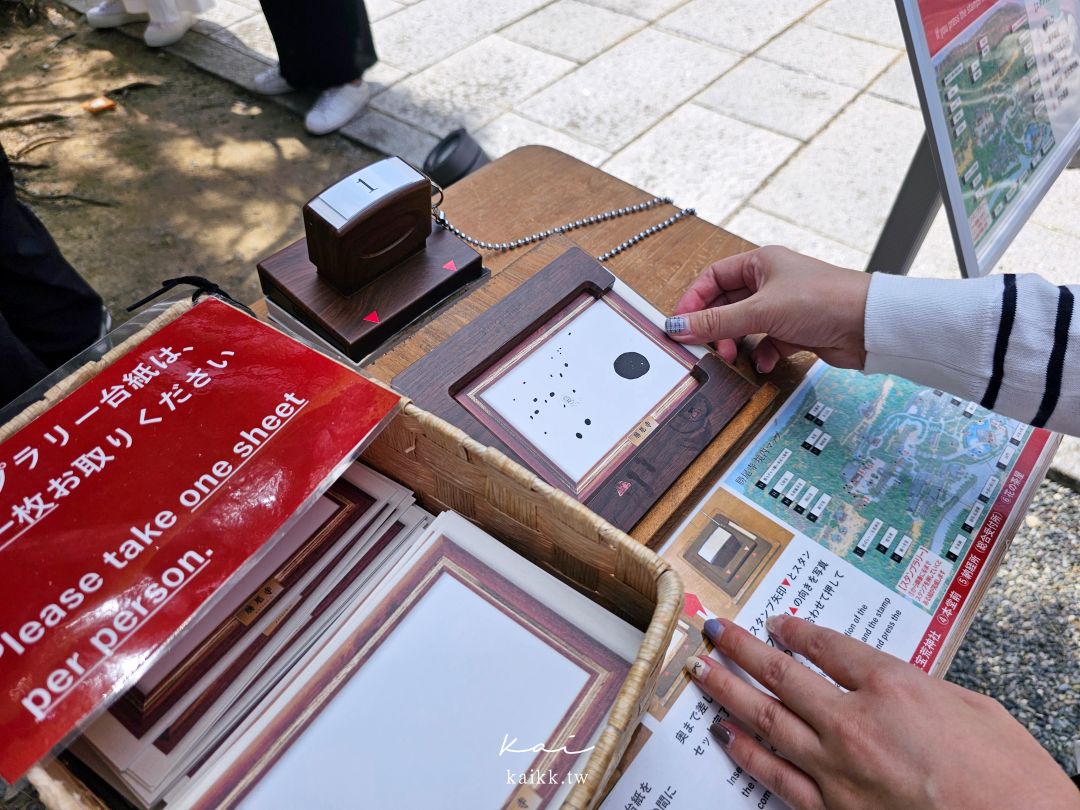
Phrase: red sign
pixel 944 20
pixel 126 505
pixel 975 560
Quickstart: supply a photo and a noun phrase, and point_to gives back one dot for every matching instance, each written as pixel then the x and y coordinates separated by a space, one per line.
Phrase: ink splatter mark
pixel 578 435
pixel 631 365
pixel 551 394
pixel 588 421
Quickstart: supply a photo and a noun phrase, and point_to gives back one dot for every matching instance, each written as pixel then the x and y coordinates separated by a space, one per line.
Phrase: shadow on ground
pixel 188 175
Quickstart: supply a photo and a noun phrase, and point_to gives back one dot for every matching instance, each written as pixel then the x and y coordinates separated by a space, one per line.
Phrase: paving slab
pixel 763 228
pixel 472 87
pixel 391 136
pixel 668 160
pixel 843 183
pixel 783 99
pixel 252 35
pixel 510 130
pixel 872 20
pixel 738 25
pixel 827 55
pixel 428 31
pixel 221 15
pixel 897 83
pixel 644 9
pixel 377 9
pixel 623 92
pixel 573 30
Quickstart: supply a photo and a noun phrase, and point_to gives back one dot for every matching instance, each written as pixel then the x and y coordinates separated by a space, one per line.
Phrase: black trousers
pixel 48 314
pixel 320 44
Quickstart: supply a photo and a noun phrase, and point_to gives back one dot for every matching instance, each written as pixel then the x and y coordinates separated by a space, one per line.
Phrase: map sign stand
pixel 999 87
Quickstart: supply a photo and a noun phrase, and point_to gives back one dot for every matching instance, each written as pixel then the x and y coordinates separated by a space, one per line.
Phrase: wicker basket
pixel 449 470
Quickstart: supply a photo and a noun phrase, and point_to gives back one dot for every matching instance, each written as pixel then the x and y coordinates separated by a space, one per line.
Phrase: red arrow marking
pixel 793 611
pixel 692 605
pixel 786 582
pixel 450 266
pixel 372 317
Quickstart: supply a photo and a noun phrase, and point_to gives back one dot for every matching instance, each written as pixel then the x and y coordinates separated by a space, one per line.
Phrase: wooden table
pixel 537 187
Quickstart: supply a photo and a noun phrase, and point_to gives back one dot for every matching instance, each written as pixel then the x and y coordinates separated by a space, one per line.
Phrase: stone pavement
pixel 788 121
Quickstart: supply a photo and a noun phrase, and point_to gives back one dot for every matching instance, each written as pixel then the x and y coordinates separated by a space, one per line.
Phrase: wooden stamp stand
pixel 371 262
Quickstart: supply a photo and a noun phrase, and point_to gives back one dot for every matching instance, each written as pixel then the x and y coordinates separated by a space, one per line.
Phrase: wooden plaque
pixel 466 380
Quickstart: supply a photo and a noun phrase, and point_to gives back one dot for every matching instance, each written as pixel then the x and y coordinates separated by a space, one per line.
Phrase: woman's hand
pixel 798 302
pixel 897 739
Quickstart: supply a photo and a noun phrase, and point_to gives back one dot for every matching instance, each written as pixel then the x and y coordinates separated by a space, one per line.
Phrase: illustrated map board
pixel 999 82
pixel 868 505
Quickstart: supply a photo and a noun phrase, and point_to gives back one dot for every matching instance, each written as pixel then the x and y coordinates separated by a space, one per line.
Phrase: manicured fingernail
pixel 713 630
pixel 721 733
pixel 676 325
pixel 772 624
pixel 760 370
pixel 698 667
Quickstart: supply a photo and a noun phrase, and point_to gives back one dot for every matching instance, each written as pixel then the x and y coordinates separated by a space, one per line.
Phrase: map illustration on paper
pixel 1004 85
pixel 880 471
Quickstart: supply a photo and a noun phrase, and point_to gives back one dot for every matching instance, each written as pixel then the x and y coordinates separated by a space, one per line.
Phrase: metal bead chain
pixel 595 219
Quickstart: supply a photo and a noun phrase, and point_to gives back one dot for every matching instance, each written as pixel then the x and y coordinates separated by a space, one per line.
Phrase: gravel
pixel 1024 646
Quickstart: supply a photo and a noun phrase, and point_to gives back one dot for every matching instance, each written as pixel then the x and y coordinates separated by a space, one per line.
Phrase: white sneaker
pixel 160 34
pixel 336 107
pixel 270 82
pixel 111 13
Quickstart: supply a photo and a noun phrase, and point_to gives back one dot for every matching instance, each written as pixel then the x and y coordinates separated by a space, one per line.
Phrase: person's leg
pixel 321 46
pixel 21 369
pixel 44 302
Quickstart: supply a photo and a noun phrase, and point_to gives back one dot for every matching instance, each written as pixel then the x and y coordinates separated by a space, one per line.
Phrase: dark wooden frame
pixel 138 711
pixel 630 488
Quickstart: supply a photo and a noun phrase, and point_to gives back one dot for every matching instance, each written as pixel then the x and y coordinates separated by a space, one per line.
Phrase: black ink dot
pixel 536 411
pixel 573 390
pixel 534 399
pixel 631 365
pixel 551 394
pixel 588 421
pixel 578 435
pixel 566 365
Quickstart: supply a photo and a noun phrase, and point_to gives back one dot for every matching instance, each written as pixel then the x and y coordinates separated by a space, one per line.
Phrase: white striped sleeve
pixel 1010 343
